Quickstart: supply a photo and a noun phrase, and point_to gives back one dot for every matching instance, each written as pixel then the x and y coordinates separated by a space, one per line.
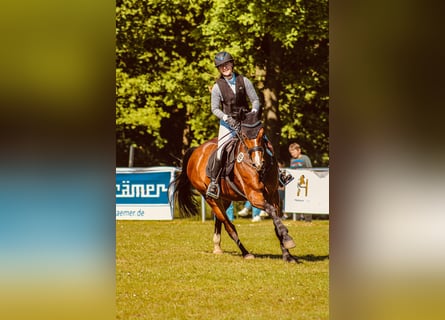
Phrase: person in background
pixel 229 212
pixel 299 160
pixel 257 214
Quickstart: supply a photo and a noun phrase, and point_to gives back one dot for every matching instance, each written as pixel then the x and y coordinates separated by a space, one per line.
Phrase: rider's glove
pixel 232 123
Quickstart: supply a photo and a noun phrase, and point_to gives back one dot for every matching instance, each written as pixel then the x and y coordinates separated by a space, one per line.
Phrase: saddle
pixel 227 159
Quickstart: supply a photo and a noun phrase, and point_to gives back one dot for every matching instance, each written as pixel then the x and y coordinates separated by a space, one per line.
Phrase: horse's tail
pixel 183 192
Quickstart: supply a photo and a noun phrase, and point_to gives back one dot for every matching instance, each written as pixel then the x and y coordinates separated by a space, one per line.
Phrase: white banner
pixel 308 192
pixel 142 193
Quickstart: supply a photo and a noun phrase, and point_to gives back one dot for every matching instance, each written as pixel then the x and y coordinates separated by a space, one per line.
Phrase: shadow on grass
pixel 307 257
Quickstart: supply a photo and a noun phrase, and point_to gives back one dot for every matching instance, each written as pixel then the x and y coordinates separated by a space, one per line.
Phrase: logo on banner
pixel 128 190
pixel 302 185
pixel 142 188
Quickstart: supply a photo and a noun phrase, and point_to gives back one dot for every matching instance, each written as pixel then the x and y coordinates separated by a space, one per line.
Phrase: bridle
pixel 258 148
pixel 254 149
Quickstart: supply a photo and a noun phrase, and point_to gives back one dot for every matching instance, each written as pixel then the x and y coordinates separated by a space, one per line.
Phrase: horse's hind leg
pixel 217 237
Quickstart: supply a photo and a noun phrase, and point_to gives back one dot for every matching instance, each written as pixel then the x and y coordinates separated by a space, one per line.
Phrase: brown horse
pixel 253 176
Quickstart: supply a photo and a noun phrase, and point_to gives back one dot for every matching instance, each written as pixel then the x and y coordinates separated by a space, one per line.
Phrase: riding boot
pixel 285 178
pixel 213 188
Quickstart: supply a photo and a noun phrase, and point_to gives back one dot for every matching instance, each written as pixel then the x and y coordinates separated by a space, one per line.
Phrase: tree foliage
pixel 164 72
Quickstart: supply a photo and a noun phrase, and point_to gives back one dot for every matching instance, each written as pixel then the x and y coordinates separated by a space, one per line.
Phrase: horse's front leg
pixel 287 257
pixel 221 218
pixel 217 237
pixel 231 230
pixel 286 239
pixel 282 233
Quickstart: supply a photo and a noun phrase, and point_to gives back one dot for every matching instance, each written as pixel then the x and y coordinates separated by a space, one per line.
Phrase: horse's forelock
pixel 251 118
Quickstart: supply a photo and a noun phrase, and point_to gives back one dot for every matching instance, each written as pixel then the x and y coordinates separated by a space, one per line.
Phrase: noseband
pixel 254 149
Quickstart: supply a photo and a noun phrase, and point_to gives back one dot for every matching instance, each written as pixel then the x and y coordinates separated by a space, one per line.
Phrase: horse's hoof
pixel 289 244
pixel 291 260
pixel 217 251
pixel 249 256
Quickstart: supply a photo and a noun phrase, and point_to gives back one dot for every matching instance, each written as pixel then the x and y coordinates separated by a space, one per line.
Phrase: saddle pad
pixel 227 159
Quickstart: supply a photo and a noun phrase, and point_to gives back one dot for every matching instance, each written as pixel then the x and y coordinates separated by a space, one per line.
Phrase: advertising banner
pixel 142 193
pixel 308 192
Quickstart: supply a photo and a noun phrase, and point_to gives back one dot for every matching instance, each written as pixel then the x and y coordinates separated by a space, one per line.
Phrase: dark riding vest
pixel 232 103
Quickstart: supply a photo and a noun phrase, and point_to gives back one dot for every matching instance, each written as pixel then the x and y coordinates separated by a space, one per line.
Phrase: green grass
pixel 166 270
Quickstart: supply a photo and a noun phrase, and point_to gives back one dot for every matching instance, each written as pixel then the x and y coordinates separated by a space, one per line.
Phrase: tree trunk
pixel 271 90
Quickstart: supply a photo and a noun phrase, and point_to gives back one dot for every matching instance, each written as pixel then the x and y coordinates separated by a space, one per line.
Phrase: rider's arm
pixel 251 93
pixel 216 103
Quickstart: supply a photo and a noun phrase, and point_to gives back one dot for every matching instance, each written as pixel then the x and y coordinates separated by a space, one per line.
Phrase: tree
pixel 287 50
pixel 165 70
pixel 156 82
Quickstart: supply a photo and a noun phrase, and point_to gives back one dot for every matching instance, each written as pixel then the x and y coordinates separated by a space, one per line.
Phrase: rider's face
pixel 226 69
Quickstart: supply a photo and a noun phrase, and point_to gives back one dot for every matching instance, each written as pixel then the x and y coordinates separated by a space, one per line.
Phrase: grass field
pixel 166 270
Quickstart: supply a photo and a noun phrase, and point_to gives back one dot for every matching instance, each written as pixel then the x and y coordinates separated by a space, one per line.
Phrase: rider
pixel 229 96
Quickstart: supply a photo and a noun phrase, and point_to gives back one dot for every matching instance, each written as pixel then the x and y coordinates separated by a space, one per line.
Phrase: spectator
pixel 229 212
pixel 257 214
pixel 299 160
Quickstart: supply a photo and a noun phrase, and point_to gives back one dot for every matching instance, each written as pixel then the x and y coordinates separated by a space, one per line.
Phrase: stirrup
pixel 285 179
pixel 210 193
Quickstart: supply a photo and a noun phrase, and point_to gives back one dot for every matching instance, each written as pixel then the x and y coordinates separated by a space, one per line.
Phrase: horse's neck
pixel 241 148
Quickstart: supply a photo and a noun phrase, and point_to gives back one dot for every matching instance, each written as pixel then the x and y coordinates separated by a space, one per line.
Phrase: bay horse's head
pixel 252 133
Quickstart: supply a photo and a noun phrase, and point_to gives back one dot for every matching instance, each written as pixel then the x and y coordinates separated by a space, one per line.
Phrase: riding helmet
pixel 222 57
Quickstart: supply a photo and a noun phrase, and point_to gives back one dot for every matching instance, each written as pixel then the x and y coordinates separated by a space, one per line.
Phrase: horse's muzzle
pixel 256 155
pixel 258 166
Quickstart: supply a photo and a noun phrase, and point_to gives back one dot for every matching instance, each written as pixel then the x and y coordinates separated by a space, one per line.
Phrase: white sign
pixel 308 192
pixel 143 212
